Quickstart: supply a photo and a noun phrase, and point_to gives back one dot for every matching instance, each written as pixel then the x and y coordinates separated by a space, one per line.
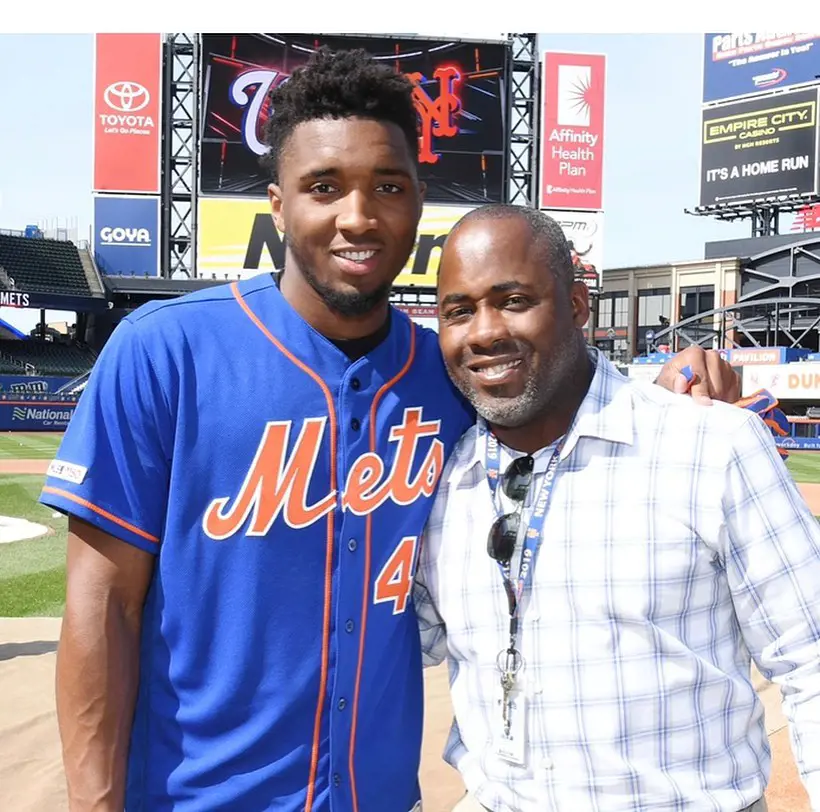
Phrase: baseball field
pixel 32 594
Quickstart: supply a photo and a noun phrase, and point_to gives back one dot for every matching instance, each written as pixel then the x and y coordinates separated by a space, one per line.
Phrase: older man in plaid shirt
pixel 604 560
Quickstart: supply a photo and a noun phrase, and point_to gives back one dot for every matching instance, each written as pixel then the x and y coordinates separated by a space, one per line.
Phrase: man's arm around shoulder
pixel 98 664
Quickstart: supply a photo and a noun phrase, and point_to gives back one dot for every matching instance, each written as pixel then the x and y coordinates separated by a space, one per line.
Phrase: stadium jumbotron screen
pixel 460 95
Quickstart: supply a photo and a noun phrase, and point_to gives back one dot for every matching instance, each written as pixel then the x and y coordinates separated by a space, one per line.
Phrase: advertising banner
pixel 460 95
pixel 237 239
pixel 23 415
pixel 27 385
pixel 754 149
pixel 737 65
pixel 572 131
pixel 126 235
pixel 798 443
pixel 425 315
pixel 799 381
pixel 127 110
pixel 757 355
pixel 585 233
pixel 807 219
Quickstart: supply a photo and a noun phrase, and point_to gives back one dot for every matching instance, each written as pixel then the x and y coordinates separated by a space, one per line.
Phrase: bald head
pixel 546 238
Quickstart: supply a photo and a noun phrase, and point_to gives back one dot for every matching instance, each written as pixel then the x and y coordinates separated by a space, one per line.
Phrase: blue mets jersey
pixel 283 490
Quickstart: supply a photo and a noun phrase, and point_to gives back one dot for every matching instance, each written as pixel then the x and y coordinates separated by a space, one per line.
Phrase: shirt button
pixel 337 779
pixel 349 626
pixel 342 704
pixel 355 424
pixel 356 384
pixel 547 763
pixel 351 545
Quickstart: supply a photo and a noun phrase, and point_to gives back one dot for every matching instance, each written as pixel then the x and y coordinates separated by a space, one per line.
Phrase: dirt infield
pixel 31 773
pixel 36 467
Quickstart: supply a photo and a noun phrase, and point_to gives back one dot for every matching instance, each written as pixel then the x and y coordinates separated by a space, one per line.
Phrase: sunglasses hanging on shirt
pixel 515 483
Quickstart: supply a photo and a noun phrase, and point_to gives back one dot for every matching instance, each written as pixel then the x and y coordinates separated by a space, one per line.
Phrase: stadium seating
pixel 44 358
pixel 43 266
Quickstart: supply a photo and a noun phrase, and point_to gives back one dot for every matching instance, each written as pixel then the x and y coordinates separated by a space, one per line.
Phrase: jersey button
pixel 356 384
pixel 355 424
pixel 349 626
pixel 337 779
pixel 342 703
pixel 352 545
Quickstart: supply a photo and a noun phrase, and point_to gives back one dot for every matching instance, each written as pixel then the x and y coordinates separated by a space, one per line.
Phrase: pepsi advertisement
pixel 460 90
pixel 126 235
pixel 736 65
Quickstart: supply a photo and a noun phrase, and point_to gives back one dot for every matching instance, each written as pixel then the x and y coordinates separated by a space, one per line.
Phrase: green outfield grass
pixel 32 573
pixel 32 446
pixel 804 466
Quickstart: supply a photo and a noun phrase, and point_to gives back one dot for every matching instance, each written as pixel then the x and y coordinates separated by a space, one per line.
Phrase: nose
pixel 356 214
pixel 486 328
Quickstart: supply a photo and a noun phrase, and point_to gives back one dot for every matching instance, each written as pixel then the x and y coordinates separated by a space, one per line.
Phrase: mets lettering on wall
pixel 237 239
pixel 127 109
pixel 736 65
pixel 572 146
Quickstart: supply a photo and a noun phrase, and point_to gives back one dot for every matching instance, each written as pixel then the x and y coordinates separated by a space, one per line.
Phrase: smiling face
pixel 349 202
pixel 509 329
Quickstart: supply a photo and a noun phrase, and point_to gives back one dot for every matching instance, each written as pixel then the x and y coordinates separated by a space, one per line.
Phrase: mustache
pixel 498 350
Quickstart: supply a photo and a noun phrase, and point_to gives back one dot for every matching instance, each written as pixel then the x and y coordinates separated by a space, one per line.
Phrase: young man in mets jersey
pixel 248 474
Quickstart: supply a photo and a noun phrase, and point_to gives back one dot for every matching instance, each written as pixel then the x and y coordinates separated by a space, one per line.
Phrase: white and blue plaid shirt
pixel 675 544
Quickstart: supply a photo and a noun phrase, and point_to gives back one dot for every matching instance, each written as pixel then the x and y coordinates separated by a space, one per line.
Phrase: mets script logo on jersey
pixel 275 484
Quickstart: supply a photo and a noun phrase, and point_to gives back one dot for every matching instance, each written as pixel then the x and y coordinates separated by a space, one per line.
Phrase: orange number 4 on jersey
pixel 396 578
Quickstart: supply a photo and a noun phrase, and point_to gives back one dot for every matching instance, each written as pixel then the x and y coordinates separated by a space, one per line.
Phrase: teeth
pixel 498 370
pixel 357 256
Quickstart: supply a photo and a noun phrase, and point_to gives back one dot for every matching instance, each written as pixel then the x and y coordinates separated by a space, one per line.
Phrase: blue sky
pixel 651 136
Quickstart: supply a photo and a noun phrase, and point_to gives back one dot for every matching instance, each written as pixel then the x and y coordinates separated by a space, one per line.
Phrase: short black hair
pixel 340 84
pixel 547 234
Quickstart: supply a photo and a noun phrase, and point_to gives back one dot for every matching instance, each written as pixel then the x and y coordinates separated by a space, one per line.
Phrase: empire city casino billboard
pixel 460 95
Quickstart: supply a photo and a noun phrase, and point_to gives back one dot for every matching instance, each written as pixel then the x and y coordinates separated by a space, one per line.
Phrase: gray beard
pixel 544 387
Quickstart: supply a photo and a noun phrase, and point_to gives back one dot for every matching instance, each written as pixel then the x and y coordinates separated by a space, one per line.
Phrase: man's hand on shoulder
pixel 712 378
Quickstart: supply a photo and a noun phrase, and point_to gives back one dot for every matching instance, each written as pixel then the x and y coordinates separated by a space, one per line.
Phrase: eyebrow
pixel 500 287
pixel 383 171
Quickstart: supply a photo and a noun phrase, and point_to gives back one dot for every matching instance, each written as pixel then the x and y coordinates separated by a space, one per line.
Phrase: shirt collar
pixel 605 414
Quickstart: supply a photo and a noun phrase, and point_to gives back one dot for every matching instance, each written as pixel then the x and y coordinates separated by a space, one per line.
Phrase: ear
pixel 579 297
pixel 277 207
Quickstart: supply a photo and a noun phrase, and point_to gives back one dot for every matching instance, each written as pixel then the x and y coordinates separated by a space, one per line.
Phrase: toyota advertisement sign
pixel 126 235
pixel 572 131
pixel 760 148
pixel 736 65
pixel 127 109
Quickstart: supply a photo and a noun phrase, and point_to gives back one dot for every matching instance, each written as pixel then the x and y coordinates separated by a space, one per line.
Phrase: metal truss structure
pixel 522 133
pixel 773 322
pixel 781 312
pixel 764 215
pixel 180 151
